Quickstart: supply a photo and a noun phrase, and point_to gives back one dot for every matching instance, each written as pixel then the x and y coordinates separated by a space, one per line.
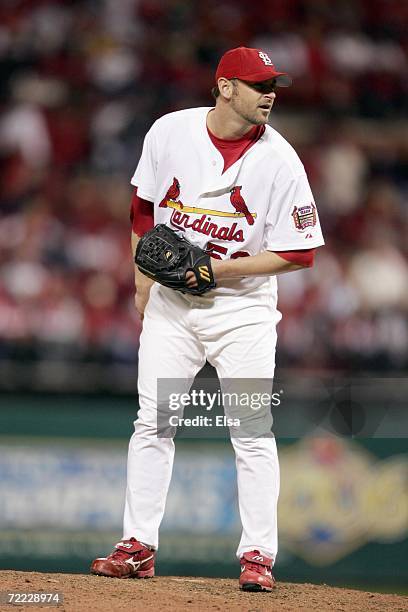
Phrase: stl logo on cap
pixel 265 58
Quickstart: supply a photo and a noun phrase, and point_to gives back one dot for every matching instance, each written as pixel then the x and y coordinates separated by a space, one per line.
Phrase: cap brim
pixel 282 79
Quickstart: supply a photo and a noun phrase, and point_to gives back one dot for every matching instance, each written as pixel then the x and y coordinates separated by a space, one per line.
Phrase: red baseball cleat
pixel 130 559
pixel 256 572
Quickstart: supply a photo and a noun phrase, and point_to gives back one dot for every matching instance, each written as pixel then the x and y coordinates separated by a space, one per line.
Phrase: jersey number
pixel 218 252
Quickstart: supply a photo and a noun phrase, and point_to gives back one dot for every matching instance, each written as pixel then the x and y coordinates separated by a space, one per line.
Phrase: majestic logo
pixel 304 216
pixel 182 219
pixel 265 58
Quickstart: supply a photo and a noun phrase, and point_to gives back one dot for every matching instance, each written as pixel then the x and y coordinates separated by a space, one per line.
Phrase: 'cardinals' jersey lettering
pixel 262 202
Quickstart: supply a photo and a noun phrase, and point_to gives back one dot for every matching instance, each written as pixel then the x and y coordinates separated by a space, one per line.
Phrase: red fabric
pixel 141 214
pixel 305 257
pixel 232 150
pixel 246 64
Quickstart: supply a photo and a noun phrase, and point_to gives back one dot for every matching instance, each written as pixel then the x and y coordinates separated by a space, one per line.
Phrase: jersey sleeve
pixel 305 257
pixel 141 214
pixel 292 221
pixel 145 175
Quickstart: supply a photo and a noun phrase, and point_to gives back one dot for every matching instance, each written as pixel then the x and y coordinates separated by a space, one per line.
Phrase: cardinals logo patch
pixel 172 194
pixel 304 216
pixel 240 206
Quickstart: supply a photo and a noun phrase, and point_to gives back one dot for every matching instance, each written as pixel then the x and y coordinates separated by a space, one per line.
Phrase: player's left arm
pixel 268 263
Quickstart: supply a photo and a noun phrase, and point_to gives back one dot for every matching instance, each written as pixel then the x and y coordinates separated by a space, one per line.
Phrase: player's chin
pixel 262 115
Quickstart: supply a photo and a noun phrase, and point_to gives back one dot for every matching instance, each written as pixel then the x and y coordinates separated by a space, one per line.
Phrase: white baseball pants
pixel 237 335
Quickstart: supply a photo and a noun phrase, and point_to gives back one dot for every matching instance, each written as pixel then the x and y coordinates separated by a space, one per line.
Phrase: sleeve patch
pixel 304 216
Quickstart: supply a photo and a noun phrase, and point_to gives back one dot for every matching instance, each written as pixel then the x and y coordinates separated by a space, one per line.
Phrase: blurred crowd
pixel 82 81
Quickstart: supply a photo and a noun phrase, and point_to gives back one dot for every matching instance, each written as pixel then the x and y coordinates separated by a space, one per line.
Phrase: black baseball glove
pixel 165 257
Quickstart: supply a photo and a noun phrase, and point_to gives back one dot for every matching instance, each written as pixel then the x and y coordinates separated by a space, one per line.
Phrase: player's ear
pixel 225 87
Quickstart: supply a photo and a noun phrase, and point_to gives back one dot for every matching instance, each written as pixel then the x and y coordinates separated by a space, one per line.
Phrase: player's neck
pixel 226 126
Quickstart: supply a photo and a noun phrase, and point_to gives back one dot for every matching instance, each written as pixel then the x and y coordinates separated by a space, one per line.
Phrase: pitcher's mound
pixel 164 593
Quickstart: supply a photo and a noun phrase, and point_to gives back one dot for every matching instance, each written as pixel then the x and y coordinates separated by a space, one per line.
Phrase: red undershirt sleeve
pixel 304 257
pixel 141 214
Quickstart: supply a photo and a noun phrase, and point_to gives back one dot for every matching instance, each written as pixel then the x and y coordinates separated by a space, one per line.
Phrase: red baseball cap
pixel 252 65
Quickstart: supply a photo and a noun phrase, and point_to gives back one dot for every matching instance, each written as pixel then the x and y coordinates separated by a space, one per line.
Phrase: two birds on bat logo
pixel 304 216
pixel 236 200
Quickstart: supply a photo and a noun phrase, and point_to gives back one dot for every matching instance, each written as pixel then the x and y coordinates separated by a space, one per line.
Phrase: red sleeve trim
pixel 305 257
pixel 141 214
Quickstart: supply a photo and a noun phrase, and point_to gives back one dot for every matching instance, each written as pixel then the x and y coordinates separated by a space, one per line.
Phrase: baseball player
pixel 231 184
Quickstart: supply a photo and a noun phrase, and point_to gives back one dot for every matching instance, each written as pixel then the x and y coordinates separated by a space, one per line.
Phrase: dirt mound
pixel 84 593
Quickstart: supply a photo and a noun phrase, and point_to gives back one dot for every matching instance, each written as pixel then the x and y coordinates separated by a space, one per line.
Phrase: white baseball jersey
pixel 262 202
